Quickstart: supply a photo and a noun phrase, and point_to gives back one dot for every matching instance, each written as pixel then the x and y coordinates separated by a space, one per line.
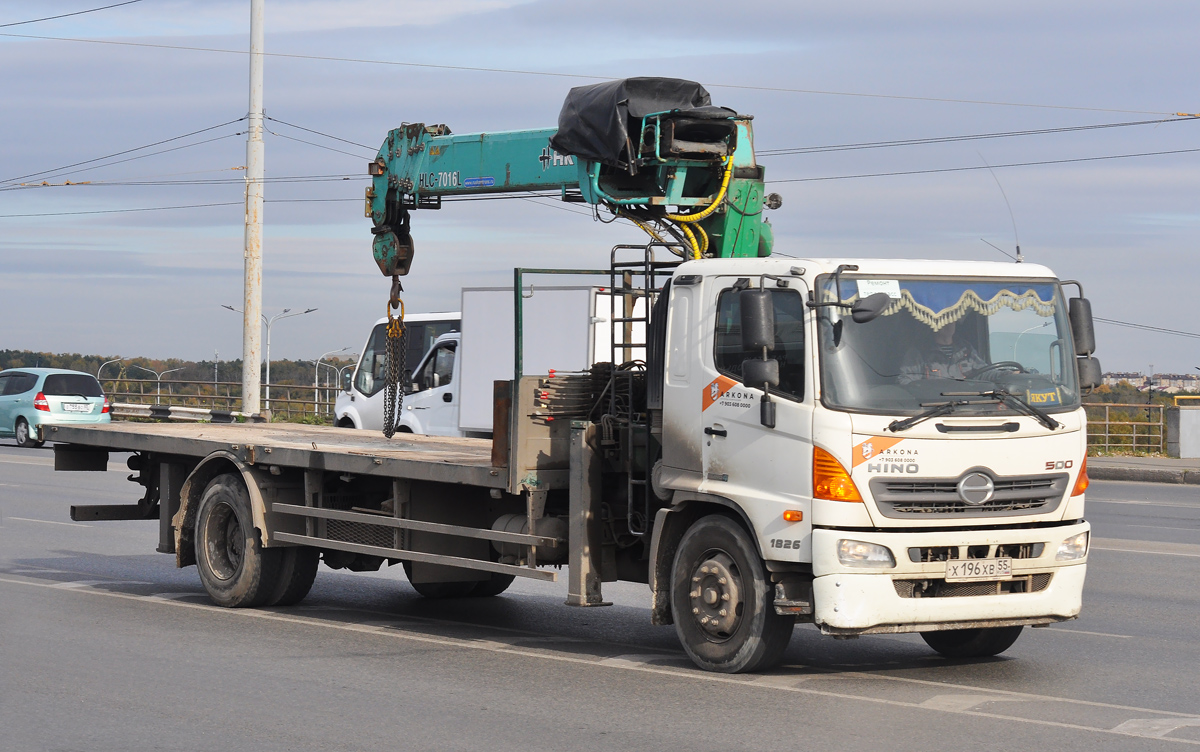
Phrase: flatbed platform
pixel 433 458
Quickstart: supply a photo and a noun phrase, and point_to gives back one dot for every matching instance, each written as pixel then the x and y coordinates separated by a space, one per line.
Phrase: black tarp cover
pixel 594 121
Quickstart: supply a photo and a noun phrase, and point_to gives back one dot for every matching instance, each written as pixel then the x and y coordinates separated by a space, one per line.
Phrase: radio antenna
pixel 1013 218
pixel 998 248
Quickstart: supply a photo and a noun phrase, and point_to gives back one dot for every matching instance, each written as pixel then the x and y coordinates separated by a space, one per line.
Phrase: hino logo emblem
pixel 976 489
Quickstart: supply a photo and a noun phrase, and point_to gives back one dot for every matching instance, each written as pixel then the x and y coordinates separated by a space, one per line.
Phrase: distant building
pixel 1115 378
pixel 1168 383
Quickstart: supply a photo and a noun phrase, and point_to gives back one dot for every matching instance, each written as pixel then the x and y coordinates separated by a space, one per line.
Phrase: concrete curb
pixel 1145 475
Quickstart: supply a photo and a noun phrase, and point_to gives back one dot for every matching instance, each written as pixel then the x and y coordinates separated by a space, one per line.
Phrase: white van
pixel 449 391
pixel 360 403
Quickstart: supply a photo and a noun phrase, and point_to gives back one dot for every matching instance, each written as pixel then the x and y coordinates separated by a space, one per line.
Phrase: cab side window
pixel 438 370
pixel 789 340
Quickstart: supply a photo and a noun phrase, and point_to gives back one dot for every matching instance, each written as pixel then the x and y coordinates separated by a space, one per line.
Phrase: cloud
pixel 150 282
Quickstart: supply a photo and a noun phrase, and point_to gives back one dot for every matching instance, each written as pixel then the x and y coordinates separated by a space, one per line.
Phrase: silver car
pixel 34 397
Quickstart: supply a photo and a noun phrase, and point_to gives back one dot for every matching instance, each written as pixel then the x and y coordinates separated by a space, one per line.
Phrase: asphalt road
pixel 104 645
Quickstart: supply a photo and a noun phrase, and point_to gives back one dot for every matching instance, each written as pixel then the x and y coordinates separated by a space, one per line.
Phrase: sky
pixel 81 272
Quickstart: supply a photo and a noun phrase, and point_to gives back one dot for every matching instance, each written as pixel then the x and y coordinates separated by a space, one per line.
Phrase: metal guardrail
pixel 289 401
pixel 1126 427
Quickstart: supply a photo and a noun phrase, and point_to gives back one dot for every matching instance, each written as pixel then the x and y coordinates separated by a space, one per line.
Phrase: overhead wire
pixel 68 15
pixel 559 74
pixel 311 143
pixel 1146 327
pixel 121 153
pixel 954 139
pixel 984 167
pixel 319 133
pixel 190 182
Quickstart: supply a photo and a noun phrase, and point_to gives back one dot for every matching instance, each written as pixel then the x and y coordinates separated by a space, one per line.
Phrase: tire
pixel 983 642
pixel 297 570
pixel 234 568
pixel 494 586
pixel 436 591
pixel 24 435
pixel 723 602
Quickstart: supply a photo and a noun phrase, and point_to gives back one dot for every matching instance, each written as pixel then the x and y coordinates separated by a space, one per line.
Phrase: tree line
pixel 293 372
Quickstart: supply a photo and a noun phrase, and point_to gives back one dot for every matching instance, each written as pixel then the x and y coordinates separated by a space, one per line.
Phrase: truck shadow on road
pixel 530 623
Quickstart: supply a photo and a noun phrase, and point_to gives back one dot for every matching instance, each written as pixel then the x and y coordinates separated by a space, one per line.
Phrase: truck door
pixel 433 407
pixel 766 470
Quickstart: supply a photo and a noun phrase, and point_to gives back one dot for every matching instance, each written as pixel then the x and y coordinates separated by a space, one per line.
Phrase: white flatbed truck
pixel 798 446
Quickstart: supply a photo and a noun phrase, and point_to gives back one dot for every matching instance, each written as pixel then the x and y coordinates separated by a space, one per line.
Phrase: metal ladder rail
pixel 649 270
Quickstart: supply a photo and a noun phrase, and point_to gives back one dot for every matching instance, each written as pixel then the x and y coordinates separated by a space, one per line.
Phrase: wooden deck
pixel 434 458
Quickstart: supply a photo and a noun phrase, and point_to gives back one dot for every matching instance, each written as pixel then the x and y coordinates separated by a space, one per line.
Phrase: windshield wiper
pixel 1014 402
pixel 941 408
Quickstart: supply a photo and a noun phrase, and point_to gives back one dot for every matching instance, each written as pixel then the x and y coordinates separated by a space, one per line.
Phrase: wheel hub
pixel 716 595
pixel 225 541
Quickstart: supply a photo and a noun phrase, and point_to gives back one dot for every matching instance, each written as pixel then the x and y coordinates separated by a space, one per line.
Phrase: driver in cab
pixel 943 357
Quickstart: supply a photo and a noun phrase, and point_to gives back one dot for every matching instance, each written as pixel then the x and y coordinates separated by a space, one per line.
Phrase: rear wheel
pixel 25 435
pixel 297 570
pixel 437 591
pixel 234 567
pixel 723 602
pixel 972 643
pixel 495 585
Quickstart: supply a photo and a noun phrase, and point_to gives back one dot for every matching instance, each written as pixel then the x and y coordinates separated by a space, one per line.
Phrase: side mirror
pixel 1090 376
pixel 1083 330
pixel 758 320
pixel 347 380
pixel 868 308
pixel 758 336
pixel 760 372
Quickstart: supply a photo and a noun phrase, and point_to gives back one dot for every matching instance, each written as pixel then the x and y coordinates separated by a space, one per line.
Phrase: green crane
pixel 650 150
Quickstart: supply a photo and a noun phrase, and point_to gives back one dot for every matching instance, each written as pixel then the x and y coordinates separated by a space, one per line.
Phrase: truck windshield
pixel 941 336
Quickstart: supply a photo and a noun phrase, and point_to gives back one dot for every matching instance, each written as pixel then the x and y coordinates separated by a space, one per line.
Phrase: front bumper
pixel 851 601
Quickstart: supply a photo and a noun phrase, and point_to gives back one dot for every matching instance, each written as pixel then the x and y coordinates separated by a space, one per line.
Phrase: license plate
pixel 979 569
pixel 77 407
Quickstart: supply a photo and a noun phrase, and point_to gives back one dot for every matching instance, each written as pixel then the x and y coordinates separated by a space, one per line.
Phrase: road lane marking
pixel 635 660
pixel 1156 728
pixel 1132 545
pixel 1143 503
pixel 43 463
pixel 966 702
pixel 1062 630
pixel 83 584
pixel 48 522
pixel 679 673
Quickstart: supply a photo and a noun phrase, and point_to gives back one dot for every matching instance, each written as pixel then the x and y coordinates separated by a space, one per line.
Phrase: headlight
pixel 1072 548
pixel 854 553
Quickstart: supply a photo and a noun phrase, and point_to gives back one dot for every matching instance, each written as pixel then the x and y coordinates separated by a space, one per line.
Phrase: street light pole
pixel 284 314
pixel 158 378
pixel 102 365
pixel 252 248
pixel 316 378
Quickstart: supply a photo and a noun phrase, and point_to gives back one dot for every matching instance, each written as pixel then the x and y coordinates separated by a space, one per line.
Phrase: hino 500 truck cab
pixel 919 464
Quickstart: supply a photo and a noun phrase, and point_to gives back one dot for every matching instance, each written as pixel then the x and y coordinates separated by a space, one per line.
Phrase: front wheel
pixel 983 642
pixel 723 602
pixel 25 435
pixel 234 567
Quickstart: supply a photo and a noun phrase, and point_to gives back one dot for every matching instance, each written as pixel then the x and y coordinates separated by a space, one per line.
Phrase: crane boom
pixel 653 151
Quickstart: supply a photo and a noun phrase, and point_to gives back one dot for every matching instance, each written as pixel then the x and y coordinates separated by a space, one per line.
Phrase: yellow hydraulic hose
pixel 645 227
pixel 716 201
pixel 703 239
pixel 687 232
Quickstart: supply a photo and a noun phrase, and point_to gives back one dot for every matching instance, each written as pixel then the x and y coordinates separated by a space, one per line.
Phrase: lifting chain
pixel 393 361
